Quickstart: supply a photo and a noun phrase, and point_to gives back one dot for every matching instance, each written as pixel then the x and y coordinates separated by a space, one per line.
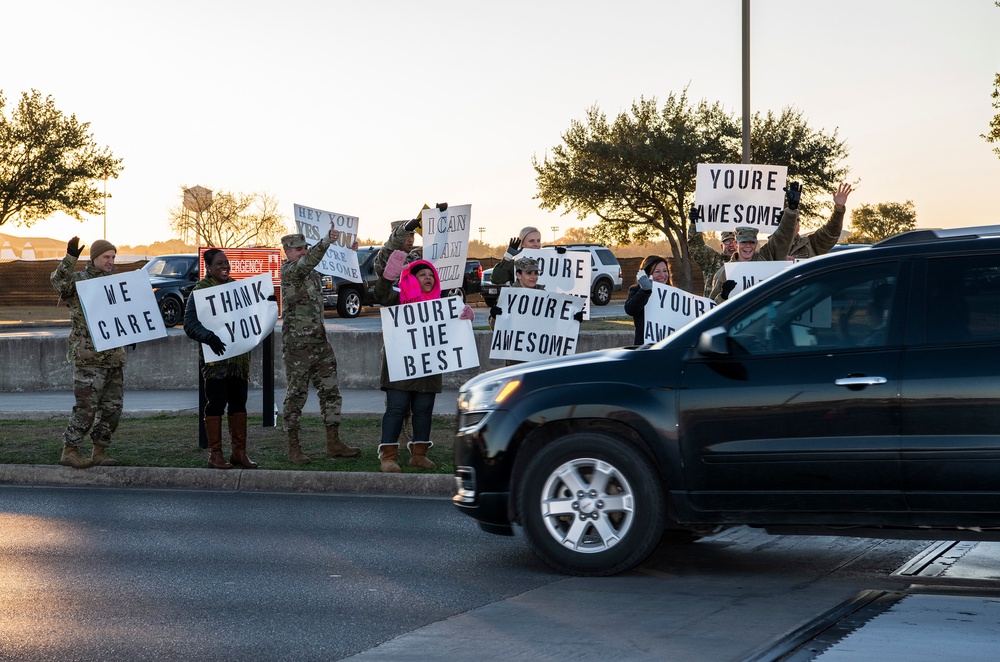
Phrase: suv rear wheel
pixel 349 303
pixel 601 295
pixel 591 505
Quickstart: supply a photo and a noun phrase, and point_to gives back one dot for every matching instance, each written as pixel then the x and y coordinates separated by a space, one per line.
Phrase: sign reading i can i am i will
pixel 426 338
pixel 120 309
pixel 340 260
pixel 446 242
pixel 731 196
pixel 238 312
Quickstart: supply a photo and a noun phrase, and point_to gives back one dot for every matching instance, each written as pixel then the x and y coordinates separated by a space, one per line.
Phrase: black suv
pixel 852 394
pixel 172 277
pixel 349 297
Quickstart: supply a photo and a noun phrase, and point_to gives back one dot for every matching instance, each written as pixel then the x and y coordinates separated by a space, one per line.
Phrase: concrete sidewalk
pixel 357 402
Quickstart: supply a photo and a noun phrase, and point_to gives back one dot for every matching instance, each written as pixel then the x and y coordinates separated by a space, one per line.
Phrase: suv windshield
pixel 168 266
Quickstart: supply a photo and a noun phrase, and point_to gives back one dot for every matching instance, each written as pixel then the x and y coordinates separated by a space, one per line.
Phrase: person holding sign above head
pixel 418 281
pixel 776 247
pixel 654 269
pixel 402 239
pixel 504 272
pixel 710 260
pixel 305 348
pixel 822 240
pixel 226 381
pixel 98 377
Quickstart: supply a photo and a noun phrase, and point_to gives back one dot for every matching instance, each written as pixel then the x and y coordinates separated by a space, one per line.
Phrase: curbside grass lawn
pixel 170 440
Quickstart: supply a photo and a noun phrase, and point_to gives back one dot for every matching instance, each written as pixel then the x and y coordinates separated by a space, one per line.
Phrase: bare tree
pixel 228 220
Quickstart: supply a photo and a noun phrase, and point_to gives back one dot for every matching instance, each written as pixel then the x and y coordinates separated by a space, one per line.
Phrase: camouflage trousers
pixel 100 393
pixel 315 363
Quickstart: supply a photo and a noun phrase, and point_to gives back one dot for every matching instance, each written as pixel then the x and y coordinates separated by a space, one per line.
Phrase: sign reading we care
pixel 120 309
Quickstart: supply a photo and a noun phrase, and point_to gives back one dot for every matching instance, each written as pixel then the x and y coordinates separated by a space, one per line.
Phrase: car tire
pixel 172 311
pixel 621 494
pixel 456 292
pixel 601 296
pixel 349 303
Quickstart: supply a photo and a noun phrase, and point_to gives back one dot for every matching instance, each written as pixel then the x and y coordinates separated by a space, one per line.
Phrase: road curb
pixel 235 480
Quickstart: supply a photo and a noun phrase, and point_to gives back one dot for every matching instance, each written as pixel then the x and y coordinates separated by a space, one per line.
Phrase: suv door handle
pixel 859 382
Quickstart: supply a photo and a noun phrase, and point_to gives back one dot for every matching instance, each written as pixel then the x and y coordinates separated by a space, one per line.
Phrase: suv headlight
pixel 487 396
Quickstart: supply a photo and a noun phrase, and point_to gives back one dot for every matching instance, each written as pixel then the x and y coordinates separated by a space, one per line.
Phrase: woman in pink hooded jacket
pixel 418 281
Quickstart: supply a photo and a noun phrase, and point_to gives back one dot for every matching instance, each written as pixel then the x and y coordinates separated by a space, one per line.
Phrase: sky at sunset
pixel 374 108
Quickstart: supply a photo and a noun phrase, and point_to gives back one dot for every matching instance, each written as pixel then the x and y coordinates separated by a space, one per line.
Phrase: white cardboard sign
pixel 748 274
pixel 670 308
pixel 238 312
pixel 534 324
pixel 120 309
pixel 563 273
pixel 339 260
pixel 446 242
pixel 427 338
pixel 739 195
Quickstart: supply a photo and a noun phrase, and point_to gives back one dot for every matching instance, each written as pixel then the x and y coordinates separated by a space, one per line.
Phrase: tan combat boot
pixel 99 456
pixel 418 455
pixel 387 454
pixel 213 431
pixel 238 434
pixel 71 458
pixel 335 447
pixel 295 453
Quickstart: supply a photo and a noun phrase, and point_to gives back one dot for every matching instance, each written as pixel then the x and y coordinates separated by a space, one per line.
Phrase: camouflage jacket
pixel 234 366
pixel 394 243
pixel 710 260
pixel 302 298
pixel 775 249
pixel 822 240
pixel 80 349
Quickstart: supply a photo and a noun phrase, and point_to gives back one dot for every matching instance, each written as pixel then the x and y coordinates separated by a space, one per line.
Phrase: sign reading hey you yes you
pixel 446 242
pixel 730 196
pixel 120 309
pixel 669 308
pixel 238 312
pixel 427 338
pixel 339 260
pixel 565 273
pixel 534 324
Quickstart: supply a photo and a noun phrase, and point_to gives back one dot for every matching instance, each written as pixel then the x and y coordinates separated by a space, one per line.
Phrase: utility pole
pixel 555 228
pixel 746 81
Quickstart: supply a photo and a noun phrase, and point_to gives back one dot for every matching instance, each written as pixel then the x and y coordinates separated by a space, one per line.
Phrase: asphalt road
pixel 110 574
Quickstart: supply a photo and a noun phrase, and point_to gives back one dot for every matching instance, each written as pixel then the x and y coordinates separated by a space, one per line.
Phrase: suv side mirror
pixel 714 342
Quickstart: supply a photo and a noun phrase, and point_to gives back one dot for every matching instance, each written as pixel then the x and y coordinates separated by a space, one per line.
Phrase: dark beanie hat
pixel 100 247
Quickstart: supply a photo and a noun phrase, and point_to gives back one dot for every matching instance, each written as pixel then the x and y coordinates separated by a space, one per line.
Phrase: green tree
pixel 228 220
pixel 637 174
pixel 873 223
pixel 49 163
pixel 993 136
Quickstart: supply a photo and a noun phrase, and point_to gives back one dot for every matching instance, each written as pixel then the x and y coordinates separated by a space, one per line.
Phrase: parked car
pixel 349 297
pixel 605 278
pixel 851 394
pixel 172 277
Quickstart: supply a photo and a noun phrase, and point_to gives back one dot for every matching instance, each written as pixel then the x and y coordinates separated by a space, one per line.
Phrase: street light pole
pixel 105 236
pixel 481 230
pixel 746 81
pixel 555 228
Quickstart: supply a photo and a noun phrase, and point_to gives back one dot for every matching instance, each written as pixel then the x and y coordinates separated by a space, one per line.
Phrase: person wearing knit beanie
pixel 100 247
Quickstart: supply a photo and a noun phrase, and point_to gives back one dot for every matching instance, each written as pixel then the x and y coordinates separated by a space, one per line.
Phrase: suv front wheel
pixel 601 295
pixel 591 505
pixel 349 303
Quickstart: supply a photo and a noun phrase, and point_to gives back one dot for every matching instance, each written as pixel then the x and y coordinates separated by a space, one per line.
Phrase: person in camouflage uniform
pixel 226 381
pixel 98 377
pixel 822 240
pixel 305 348
pixel 708 258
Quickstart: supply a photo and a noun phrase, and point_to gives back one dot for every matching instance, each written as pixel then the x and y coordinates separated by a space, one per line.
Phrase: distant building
pixel 31 248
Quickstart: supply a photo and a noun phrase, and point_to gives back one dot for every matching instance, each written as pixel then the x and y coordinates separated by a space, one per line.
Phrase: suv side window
pixel 963 299
pixel 607 257
pixel 846 309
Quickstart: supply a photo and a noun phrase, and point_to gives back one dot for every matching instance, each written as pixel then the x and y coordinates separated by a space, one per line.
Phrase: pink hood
pixel 409 286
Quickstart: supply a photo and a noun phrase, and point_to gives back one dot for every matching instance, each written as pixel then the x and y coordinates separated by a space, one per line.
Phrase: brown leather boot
pixel 213 430
pixel 71 458
pixel 418 455
pixel 388 454
pixel 99 456
pixel 238 434
pixel 335 447
pixel 295 453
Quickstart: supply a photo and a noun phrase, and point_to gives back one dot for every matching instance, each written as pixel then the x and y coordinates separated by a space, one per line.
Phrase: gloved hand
pixel 727 287
pixel 215 342
pixel 467 313
pixel 74 247
pixel 442 206
pixel 793 192
pixel 693 214
pixel 496 311
pixel 394 265
pixel 513 248
pixel 412 225
pixel 645 282
pixel 560 249
pixel 273 297
pixel 578 316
